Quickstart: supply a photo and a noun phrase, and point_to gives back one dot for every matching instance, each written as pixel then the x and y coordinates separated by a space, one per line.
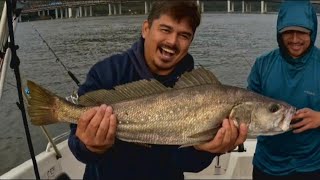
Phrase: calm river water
pixel 227 44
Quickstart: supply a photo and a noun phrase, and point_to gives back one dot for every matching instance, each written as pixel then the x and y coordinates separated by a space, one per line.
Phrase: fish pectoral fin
pixel 212 131
pixel 188 145
pixel 143 144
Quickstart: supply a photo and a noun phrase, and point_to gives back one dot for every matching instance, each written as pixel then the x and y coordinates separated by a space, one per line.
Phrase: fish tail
pixel 42 105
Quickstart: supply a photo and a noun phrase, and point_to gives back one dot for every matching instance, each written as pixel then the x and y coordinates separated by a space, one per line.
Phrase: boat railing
pixel 5 51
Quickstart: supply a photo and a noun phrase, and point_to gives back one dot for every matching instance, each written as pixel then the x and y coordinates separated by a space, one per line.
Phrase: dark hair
pixel 178 9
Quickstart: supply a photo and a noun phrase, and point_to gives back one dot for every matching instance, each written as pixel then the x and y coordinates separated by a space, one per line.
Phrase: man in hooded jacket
pixel 291 73
pixel 162 54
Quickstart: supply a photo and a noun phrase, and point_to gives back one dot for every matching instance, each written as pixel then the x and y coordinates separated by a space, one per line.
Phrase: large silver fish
pixel 189 113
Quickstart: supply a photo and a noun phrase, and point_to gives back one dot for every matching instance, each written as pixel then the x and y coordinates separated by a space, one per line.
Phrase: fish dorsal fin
pixel 196 77
pixel 123 92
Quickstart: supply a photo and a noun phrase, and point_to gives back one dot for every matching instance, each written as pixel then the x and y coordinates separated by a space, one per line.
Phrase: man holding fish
pixel 161 53
pixel 291 73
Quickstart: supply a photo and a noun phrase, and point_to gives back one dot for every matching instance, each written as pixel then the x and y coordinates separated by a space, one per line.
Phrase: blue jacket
pixel 296 81
pixel 127 160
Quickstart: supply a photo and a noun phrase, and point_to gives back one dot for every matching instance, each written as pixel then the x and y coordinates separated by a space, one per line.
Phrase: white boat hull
pixel 49 166
pixel 235 165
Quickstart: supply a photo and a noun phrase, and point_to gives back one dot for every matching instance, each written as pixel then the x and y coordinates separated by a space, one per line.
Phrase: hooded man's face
pixel 166 42
pixel 296 42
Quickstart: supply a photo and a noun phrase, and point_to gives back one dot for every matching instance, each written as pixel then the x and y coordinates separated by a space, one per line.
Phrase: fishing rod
pixel 73 77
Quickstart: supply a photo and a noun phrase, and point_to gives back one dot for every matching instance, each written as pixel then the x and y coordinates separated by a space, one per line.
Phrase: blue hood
pixel 288 16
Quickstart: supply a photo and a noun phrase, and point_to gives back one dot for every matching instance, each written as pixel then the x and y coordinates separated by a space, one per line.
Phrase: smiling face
pixel 166 42
pixel 296 42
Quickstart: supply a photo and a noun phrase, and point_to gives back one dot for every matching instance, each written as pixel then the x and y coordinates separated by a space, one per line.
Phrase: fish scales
pixel 178 114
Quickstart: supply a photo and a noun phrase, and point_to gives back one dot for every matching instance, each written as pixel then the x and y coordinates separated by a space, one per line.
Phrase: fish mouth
pixel 284 124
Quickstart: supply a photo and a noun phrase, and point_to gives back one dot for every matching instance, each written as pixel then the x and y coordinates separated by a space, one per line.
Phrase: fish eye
pixel 274 108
